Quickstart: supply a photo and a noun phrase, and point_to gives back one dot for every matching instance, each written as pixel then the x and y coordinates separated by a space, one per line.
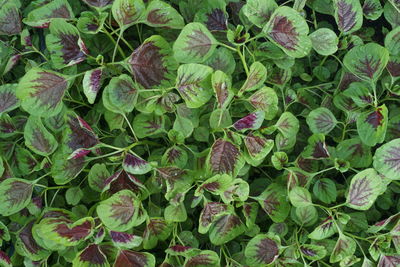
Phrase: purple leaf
pixel 92 83
pixel 252 121
pixel 122 180
pixel 284 32
pixel 80 134
pixel 92 255
pixel 135 165
pixel 4 259
pixel 261 250
pixel 375 118
pixel 27 240
pixel 210 211
pixel 224 157
pixel 393 67
pixel 346 16
pixel 216 20
pixel 389 261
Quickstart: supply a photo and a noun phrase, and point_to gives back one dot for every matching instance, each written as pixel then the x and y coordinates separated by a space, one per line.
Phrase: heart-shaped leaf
pixel 387 159
pixel 156 229
pixel 321 120
pixel 261 250
pixel 127 12
pixel 92 255
pixel 15 194
pixel 364 189
pixel 38 138
pixel 258 11
pixel 226 228
pixel 41 92
pixel 372 9
pixel 288 29
pixel 348 15
pixel 121 212
pixel 256 77
pixel 161 14
pixel 134 258
pixel 324 41
pixel 372 125
pixel 257 147
pixel 65 45
pixel 41 16
pixel 300 197
pixel 205 258
pixel 367 61
pixel 345 246
pixel 194 84
pixel 120 95
pixel 135 165
pixel 265 99
pixel 225 157
pixel 273 201
pixel 195 44
pixel 10 19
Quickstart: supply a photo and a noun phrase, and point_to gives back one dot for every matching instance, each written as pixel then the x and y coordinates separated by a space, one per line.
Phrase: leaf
pixel 392 41
pixel 360 93
pixel 372 9
pixel 222 86
pixel 265 99
pixel 364 189
pixel 204 258
pixel 288 124
pixel 121 180
pixel 147 125
pixel 300 197
pixel 255 79
pixel 127 12
pixel 326 229
pixel 135 165
pixel 288 30
pixel 27 246
pixel 91 83
pixel 15 194
pixel 258 147
pixel 8 98
pixel 65 45
pixel 98 3
pixel 41 16
pixel 121 211
pixel 273 201
pixel 387 159
pixel 225 229
pixel 41 92
pixel 313 252
pixel 152 63
pixel 209 214
pixel 258 11
pixel 120 96
pixel 124 240
pixel 213 15
pixel 253 121
pixel 193 84
pixel 195 44
pixel 161 14
pixel 134 258
pixel 5 260
pixel 372 125
pixel 222 59
pixel 321 120
pixel 225 157
pixel 64 170
pixel 64 232
pixel 348 15
pixel 367 61
pixel 38 138
pixel 78 134
pixel 354 151
pixel 10 19
pixel 325 190
pixel 92 255
pixel 156 229
pixel 345 246
pixel 324 41
pixel 262 250
pixel 97 177
pixel 175 156
pixel 389 260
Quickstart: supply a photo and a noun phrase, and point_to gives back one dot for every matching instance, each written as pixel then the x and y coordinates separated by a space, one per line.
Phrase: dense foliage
pixel 199 133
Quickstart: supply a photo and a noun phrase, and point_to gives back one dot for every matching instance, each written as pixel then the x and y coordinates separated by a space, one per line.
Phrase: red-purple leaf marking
pixel 284 33
pixel 346 17
pixel 224 156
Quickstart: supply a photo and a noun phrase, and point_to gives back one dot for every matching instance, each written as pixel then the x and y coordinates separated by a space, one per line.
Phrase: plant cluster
pixel 199 133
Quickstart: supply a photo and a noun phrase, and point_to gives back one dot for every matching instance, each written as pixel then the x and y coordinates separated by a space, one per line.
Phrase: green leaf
pixel 325 190
pixel 262 250
pixel 387 159
pixel 146 125
pixel 161 14
pixel 366 61
pixel 120 96
pixel 257 148
pixel 258 11
pixel 175 213
pixel 348 15
pixel 372 10
pixel 122 211
pixel 194 84
pixel 326 229
pixel 64 44
pixel 265 99
pixel 134 258
pixel 313 252
pixel 222 86
pixel 15 194
pixel 372 125
pixel 183 125
pixel 97 177
pixel 195 44
pixel 225 229
pixel 321 120
pixel 345 246
pixel 255 79
pixel 324 41
pixel 41 92
pixel 38 138
pixel 289 30
pixel 42 15
pixel 204 258
pixel 127 12
pixel 354 151
pixel 64 170
pixel 300 197
pixel 392 41
pixel 364 188
pixel 156 229
pixel 73 195
pixel 273 201
pixel 288 125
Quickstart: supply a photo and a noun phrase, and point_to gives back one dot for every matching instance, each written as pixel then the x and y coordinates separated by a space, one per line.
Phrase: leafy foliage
pixel 199 133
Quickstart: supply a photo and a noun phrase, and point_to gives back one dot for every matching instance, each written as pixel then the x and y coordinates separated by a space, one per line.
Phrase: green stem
pixel 227 46
pixel 40 53
pixel 115 43
pixel 242 58
pixel 130 127
pixel 121 32
pixel 104 156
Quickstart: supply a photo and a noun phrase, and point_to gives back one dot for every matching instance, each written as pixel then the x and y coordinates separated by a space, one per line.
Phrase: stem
pixel 121 32
pixel 227 46
pixel 40 53
pixel 115 43
pixel 104 156
pixel 325 170
pixel 375 95
pixel 130 127
pixel 242 58
pixel 112 147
